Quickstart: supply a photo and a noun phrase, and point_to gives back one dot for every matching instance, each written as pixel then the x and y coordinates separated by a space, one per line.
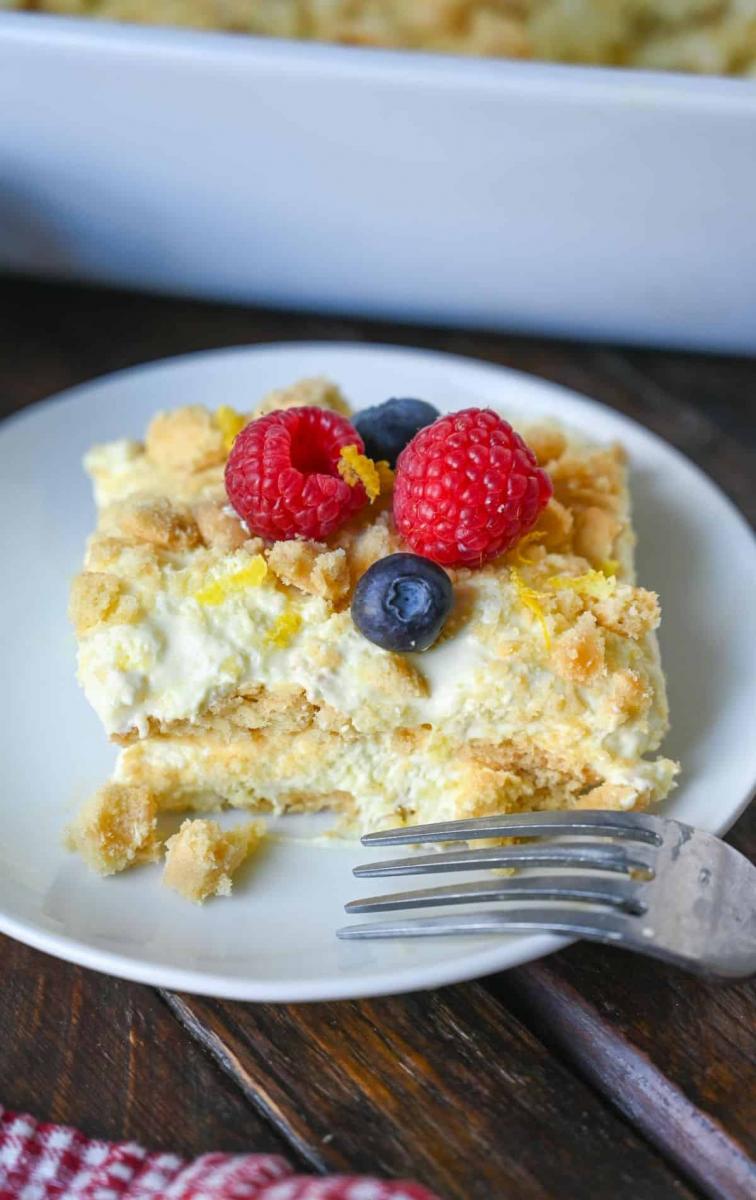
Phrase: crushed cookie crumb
pixel 555 524
pixel 394 675
pixel 318 392
pixel 588 479
pixel 529 540
pixel 364 546
pixel 546 442
pixel 202 858
pixel 595 533
pixel 185 439
pixel 158 522
pixel 631 612
pixel 629 695
pixel 97 598
pixel 613 797
pixel 579 652
pixel 116 829
pixel 219 526
pixel 311 567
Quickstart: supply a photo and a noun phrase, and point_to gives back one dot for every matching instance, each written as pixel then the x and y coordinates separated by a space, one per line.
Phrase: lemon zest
pixel 536 535
pixel 230 422
pixel 219 589
pixel 283 628
pixel 592 583
pixel 357 468
pixel 528 598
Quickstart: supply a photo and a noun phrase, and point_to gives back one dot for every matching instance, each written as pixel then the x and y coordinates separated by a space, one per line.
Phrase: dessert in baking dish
pixel 402 617
pixel 706 36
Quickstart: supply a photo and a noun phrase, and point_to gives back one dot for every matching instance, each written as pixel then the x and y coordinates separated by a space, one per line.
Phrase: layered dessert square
pixel 238 669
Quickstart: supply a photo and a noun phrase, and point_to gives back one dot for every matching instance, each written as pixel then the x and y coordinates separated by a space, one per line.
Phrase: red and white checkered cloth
pixel 52 1162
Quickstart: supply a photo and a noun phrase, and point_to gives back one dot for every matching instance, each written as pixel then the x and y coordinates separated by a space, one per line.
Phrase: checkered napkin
pixel 52 1162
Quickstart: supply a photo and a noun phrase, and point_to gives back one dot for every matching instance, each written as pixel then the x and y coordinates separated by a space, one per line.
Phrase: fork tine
pixel 623 894
pixel 599 856
pixel 599 926
pixel 599 822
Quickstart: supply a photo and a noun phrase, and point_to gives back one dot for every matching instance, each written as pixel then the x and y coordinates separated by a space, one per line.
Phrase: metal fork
pixel 642 882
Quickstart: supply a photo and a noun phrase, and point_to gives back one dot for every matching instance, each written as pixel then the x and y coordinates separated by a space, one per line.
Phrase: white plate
pixel 275 939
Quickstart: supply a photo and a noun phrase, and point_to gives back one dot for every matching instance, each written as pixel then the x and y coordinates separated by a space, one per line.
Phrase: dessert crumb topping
pixel 185 439
pixel 97 597
pixel 158 522
pixel 202 858
pixel 317 391
pixel 579 652
pixel 116 828
pixel 219 526
pixel 631 612
pixel 311 567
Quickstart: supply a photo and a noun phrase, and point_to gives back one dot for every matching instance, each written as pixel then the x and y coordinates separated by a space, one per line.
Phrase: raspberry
pixel 282 474
pixel 467 488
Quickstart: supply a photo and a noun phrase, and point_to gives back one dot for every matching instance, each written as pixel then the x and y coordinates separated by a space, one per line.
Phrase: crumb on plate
pixel 116 828
pixel 202 857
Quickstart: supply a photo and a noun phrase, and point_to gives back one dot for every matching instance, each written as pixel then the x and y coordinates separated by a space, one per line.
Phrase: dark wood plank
pixel 109 1057
pixel 445 1087
pixel 725 390
pixel 676 1055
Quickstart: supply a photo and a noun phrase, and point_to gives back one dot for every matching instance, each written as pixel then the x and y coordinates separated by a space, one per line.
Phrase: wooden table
pixel 588 1074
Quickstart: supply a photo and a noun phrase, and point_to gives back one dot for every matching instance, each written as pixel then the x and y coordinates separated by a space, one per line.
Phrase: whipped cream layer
pixel 490 680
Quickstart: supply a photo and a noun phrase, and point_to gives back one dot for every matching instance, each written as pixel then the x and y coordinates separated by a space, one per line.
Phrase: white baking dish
pixel 585 202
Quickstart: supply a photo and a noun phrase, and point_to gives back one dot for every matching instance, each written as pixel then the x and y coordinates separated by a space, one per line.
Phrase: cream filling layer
pixel 491 680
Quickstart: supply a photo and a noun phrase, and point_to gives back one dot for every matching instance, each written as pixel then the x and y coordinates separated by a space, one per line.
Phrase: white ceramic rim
pixel 566 81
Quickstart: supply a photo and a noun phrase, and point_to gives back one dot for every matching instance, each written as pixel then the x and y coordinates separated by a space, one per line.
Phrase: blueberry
pixel 402 602
pixel 386 428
